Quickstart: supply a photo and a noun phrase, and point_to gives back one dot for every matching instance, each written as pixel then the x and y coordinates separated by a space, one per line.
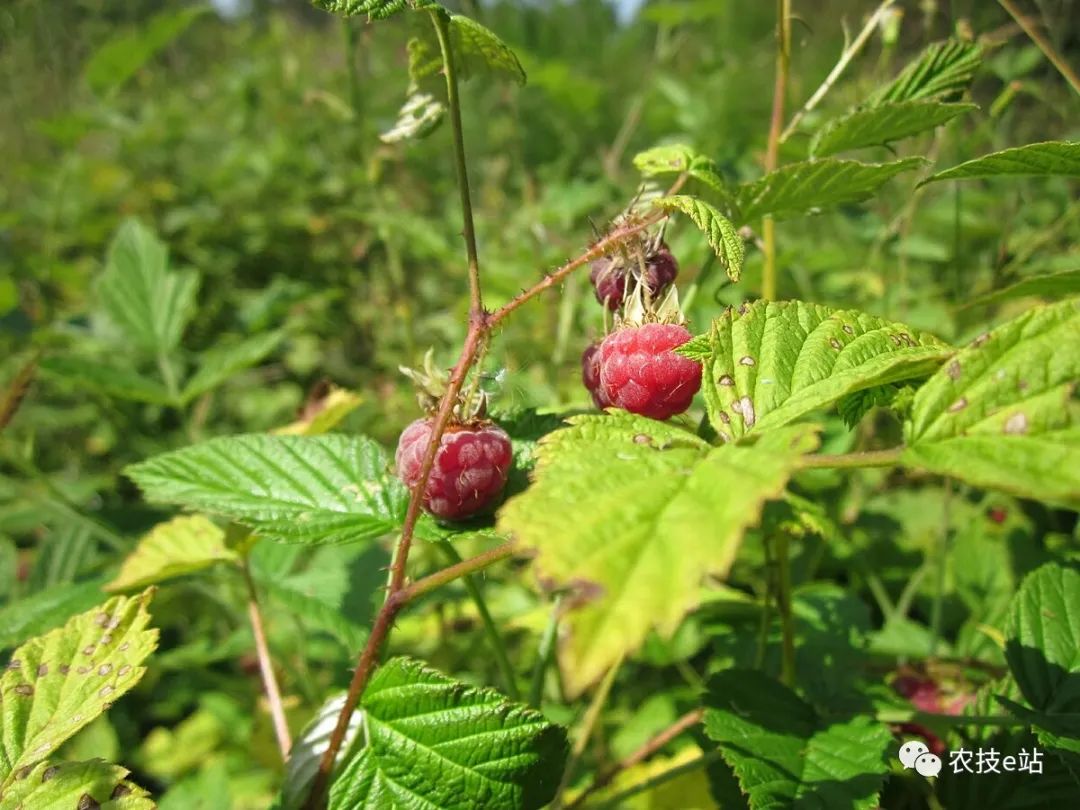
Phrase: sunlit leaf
pixel 1061 158
pixel 57 683
pixel 811 186
pixel 721 234
pixel 879 125
pixel 1004 411
pixel 943 70
pixel 73 785
pixel 631 514
pixel 479 49
pixel 434 743
pixel 181 546
pixel 318 489
pixel 767 364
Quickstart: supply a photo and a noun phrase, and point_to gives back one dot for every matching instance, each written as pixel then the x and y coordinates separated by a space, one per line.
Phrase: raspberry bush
pixel 810 493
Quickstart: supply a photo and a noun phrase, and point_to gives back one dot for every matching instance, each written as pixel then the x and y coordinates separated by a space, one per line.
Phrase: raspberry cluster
pixel 635 367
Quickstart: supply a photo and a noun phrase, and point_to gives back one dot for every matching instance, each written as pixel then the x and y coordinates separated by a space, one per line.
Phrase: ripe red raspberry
pixel 470 470
pixel 611 276
pixel 590 375
pixel 640 373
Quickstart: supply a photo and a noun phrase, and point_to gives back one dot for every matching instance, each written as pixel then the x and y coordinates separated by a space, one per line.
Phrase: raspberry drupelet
pixel 590 375
pixel 470 469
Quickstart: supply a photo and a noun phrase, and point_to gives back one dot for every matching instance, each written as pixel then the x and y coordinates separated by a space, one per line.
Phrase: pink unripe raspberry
pixel 640 373
pixel 590 375
pixel 470 470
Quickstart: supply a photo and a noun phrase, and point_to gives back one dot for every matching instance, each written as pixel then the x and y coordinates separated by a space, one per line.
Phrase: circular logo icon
pixel 928 765
pixel 910 751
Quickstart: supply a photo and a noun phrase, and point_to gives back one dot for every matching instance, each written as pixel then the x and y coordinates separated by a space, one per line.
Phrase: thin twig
pixel 442 30
pixel 867 458
pixel 498 648
pixel 783 607
pixel 650 747
pixel 772 151
pixel 585 730
pixel 543 655
pixel 850 52
pixel 266 667
pixel 1043 45
pixel 16 392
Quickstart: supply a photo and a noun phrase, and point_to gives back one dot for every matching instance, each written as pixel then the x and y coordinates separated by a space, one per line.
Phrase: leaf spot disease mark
pixel 848 328
pixel 642 438
pixel 101 619
pixel 104 669
pixel 105 691
pixel 124 670
pixel 725 418
pixel 1017 424
pixel 82 670
pixel 87 802
pixel 980 340
pixel 15 663
pixel 24 772
pixel 959 405
pixel 24 689
pixel 745 408
pixel 89 649
pixel 953 370
pixel 726 381
pixel 836 344
pixel 42 670
pixel 65 669
pixel 746 361
pixel 50 772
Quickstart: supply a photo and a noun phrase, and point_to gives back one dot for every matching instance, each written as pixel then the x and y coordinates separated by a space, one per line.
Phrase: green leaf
pixel 419 116
pixel 1054 286
pixel 1042 644
pixel 877 126
pixel 221 362
pixel 433 743
pixel 814 185
pixel 67 785
pixel 944 69
pixel 480 49
pixel 321 489
pixel 631 514
pixel 45 610
pixel 178 547
pixel 107 379
pixel 721 234
pixel 1051 158
pixel 57 683
pixel 785 755
pixel 374 9
pixel 150 303
pixel 115 62
pixel 673 158
pixel 770 363
pixel 1003 413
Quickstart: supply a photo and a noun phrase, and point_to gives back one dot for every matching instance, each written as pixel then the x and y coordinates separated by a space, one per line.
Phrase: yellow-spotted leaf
pixel 180 546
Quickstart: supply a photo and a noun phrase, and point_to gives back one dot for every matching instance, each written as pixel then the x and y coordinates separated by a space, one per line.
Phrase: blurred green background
pixel 248 142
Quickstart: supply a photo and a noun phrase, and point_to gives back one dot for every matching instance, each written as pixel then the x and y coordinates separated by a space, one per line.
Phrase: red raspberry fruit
pixel 590 375
pixel 610 276
pixel 470 470
pixel 640 373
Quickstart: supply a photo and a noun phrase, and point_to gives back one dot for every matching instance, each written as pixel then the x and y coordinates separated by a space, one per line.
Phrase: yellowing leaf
pixel 57 683
pixel 631 514
pixel 323 414
pixel 180 546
